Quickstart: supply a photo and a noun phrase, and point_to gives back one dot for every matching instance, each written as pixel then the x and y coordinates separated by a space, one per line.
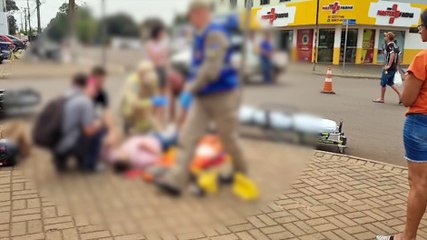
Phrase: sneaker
pixel 380 237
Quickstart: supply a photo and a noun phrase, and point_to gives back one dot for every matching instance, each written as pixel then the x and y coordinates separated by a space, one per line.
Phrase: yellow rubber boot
pixel 208 182
pixel 245 188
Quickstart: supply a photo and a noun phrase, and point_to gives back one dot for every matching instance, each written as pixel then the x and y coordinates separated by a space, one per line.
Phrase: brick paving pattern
pixel 334 197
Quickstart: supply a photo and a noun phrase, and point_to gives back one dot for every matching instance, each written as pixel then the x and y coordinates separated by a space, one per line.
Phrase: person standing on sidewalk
pixel 415 139
pixel 266 54
pixel 214 84
pixel 387 77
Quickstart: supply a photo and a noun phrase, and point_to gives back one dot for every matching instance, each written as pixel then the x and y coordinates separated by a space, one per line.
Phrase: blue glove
pixel 159 101
pixel 185 100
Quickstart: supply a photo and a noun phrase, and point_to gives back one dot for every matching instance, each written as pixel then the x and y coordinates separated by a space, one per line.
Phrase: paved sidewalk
pixel 335 197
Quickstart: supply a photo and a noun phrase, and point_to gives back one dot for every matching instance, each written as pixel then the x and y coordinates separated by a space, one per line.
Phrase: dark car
pixel 5 50
pixel 19 44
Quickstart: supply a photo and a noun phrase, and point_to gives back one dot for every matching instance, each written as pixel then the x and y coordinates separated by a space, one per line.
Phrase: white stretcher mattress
pixel 300 122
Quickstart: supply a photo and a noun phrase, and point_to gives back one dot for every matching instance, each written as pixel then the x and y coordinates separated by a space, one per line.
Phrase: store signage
pixel 336 6
pixel 394 13
pixel 336 14
pixel 277 16
pixel 273 15
pixel 397 14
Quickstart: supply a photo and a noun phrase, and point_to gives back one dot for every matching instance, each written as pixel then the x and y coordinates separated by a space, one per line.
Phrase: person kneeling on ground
pixel 82 131
pixel 137 101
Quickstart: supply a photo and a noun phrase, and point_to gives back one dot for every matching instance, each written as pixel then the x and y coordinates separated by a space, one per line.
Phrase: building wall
pixel 224 6
pixel 363 11
pixel 4 28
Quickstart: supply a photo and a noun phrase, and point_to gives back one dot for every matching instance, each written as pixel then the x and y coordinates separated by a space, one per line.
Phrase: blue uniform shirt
pixel 228 77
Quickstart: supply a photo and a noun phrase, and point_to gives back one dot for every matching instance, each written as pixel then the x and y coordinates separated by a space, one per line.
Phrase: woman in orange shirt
pixel 415 139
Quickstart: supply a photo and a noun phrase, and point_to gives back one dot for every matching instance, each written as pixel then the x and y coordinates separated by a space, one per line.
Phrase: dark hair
pixel 80 80
pixel 121 167
pixel 424 18
pixel 99 71
pixel 155 31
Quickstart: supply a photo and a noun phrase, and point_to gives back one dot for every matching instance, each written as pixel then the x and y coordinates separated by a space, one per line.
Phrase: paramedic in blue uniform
pixel 213 85
pixel 266 54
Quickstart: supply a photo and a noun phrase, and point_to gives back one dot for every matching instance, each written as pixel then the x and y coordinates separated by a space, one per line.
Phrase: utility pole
pixel 246 30
pixel 25 17
pixel 39 27
pixel 316 37
pixel 22 21
pixel 72 35
pixel 29 22
pixel 104 35
pixel 72 16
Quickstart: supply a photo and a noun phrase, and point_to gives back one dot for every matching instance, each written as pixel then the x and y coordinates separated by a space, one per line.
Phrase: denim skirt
pixel 415 137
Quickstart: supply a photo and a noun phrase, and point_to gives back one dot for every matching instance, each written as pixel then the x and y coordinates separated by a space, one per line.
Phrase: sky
pixel 138 9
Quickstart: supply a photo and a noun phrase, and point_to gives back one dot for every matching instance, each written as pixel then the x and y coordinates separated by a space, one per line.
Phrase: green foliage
pixel 11 21
pixel 121 25
pixel 11 6
pixel 88 29
pixel 86 25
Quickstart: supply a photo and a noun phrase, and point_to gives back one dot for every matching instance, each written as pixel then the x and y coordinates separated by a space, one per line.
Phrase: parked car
pixel 19 44
pixel 4 38
pixel 5 50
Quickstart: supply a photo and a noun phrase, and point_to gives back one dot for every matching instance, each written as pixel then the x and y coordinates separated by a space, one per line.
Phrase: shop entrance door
pixel 400 40
pixel 350 56
pixel 305 45
pixel 285 40
pixel 326 45
pixel 368 46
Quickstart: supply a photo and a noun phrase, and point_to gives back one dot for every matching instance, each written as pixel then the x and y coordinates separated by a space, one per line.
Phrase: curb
pixel 350 76
pixel 386 166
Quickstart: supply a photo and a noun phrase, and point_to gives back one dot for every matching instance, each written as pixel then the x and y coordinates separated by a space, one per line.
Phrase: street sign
pixel 349 22
pixel 346 22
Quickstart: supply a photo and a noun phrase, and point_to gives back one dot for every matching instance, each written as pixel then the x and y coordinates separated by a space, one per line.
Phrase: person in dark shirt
pixel 266 53
pixel 98 77
pixel 101 101
pixel 390 68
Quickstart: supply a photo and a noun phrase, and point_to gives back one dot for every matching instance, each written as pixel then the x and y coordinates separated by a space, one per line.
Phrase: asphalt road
pixel 374 130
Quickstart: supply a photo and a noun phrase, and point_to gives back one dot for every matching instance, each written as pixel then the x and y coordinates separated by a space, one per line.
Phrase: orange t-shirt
pixel 418 68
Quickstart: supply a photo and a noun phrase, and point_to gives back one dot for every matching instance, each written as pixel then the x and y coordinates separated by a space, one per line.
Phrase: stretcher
pixel 281 122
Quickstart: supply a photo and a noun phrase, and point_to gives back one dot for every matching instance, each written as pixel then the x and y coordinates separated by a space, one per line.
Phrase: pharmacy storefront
pixel 295 21
pixel 365 38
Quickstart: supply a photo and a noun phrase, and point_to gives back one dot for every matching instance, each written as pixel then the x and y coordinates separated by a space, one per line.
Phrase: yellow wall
pixel 409 55
pixel 375 60
pixel 305 14
pixel 359 12
pixel 336 56
pixel 358 56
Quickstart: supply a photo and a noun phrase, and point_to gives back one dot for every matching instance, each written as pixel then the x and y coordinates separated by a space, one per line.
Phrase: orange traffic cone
pixel 327 85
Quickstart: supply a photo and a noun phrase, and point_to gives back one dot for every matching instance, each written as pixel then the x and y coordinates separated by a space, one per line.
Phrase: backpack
pixel 47 131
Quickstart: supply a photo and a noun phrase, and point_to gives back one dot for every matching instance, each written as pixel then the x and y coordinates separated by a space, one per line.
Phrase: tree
pixel 121 25
pixel 11 6
pixel 11 21
pixel 58 28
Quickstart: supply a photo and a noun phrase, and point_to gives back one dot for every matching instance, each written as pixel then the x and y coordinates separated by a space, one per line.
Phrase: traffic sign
pixel 349 22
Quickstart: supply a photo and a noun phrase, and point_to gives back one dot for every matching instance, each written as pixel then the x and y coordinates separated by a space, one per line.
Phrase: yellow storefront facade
pixel 296 21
